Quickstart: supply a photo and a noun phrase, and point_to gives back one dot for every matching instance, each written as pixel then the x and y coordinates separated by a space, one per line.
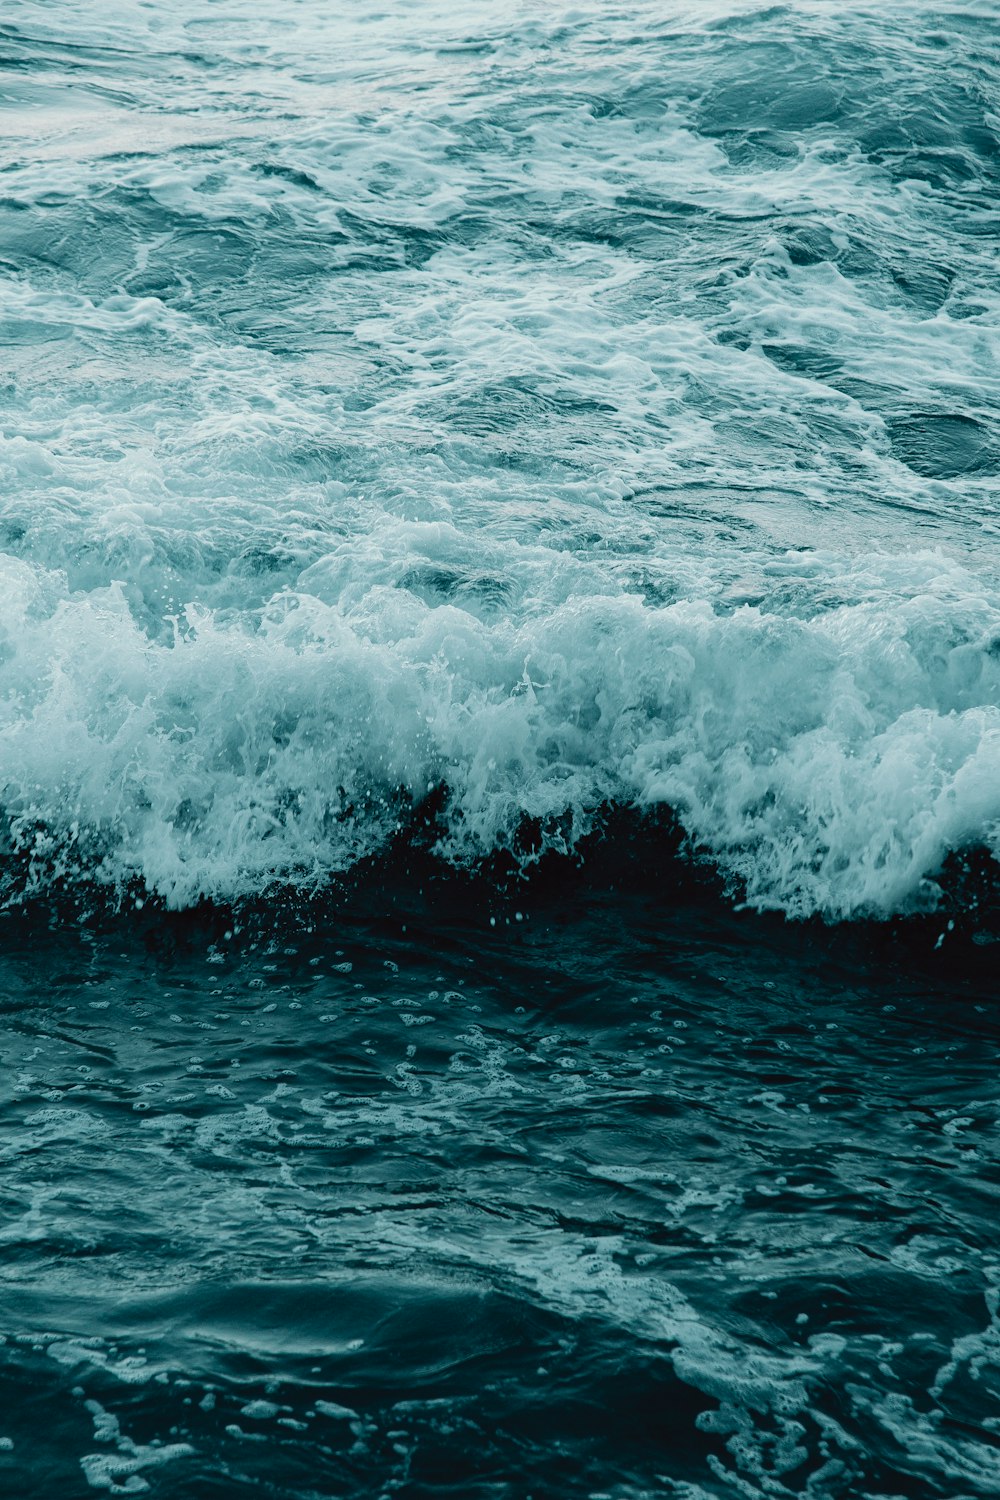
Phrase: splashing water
pixel 497 515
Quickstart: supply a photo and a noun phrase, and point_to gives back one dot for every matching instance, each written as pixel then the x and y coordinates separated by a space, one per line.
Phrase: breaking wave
pixel 825 733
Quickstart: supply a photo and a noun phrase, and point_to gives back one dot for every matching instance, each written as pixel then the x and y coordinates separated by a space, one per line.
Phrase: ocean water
pixel 499 749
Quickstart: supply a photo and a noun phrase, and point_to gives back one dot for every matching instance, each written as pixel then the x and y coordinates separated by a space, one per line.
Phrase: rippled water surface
pixel 499 749
pixel 597 1201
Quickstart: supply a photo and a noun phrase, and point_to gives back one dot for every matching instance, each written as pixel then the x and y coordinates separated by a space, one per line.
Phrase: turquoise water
pixel 499 749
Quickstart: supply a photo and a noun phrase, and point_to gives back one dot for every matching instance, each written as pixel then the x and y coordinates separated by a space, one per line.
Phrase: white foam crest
pixel 827 750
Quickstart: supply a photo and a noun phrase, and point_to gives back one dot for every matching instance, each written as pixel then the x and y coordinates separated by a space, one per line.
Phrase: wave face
pixel 530 411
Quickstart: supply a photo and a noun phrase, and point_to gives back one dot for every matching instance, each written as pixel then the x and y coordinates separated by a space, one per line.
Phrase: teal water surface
pixel 499 749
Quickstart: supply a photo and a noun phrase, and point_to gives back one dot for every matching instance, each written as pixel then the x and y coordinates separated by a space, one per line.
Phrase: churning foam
pixel 402 406
pixel 826 745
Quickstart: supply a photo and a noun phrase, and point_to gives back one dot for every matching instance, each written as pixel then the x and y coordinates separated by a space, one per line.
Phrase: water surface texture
pixel 499 749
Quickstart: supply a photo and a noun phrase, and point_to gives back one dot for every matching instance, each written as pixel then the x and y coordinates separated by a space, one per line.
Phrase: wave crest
pixel 827 746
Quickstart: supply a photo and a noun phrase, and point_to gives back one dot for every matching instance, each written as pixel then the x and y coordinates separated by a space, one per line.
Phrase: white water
pixel 396 402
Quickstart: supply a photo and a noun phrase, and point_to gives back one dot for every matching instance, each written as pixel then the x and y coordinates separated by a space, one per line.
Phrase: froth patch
pixel 826 747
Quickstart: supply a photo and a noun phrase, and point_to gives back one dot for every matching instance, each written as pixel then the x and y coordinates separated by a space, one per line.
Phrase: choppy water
pixel 503 498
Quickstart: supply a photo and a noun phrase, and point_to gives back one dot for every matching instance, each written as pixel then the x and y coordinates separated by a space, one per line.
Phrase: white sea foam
pixel 827 748
pixel 400 405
